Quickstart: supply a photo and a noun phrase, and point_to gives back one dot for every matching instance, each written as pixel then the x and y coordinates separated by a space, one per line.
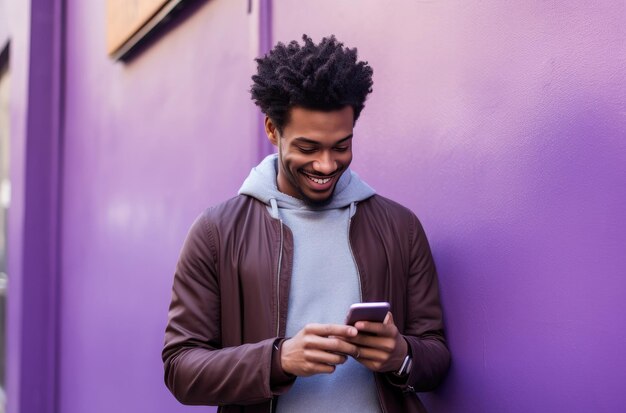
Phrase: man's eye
pixel 306 150
pixel 342 148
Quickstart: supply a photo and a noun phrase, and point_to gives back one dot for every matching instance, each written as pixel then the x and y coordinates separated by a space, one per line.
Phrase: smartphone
pixel 367 312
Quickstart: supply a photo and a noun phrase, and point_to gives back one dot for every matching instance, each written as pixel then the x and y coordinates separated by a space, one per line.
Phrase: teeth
pixel 318 180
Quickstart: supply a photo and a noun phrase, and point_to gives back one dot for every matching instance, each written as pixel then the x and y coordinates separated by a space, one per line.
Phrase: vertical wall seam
pixel 58 109
pixel 265 44
pixel 38 365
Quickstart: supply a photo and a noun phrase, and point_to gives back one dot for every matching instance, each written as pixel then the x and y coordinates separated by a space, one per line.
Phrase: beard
pixel 293 181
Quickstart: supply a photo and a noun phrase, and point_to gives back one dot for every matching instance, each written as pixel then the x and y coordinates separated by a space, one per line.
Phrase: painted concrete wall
pixel 14 28
pixel 500 124
pixel 503 126
pixel 149 144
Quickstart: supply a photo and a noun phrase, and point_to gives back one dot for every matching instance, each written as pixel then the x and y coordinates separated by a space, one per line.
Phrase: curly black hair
pixel 325 77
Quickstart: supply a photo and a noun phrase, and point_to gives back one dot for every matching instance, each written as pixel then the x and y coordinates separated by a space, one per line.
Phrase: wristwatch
pixel 405 369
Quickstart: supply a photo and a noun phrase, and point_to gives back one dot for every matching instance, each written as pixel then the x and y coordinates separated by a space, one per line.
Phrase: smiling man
pixel 314 150
pixel 264 280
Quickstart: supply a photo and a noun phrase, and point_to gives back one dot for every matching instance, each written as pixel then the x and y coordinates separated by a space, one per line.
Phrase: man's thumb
pixel 388 318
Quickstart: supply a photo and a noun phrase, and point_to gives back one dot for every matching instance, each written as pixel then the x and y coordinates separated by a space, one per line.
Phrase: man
pixel 265 279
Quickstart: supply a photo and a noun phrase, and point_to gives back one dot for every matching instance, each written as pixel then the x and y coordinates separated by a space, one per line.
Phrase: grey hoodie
pixel 261 184
pixel 324 283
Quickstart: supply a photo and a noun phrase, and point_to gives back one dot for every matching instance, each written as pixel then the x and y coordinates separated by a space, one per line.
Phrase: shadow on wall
pixel 533 285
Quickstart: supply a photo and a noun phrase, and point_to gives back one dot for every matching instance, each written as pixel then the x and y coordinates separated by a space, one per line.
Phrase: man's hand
pixel 381 347
pixel 317 348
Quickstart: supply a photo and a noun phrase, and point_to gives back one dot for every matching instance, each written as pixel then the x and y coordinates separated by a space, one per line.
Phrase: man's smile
pixel 319 181
pixel 323 182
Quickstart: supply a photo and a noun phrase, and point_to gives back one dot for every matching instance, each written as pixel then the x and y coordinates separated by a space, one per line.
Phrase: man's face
pixel 314 150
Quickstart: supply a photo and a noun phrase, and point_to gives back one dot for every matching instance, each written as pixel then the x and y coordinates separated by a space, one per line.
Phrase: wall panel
pixel 149 144
pixel 502 126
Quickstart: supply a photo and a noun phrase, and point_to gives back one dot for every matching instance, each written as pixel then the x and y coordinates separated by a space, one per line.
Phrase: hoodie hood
pixel 261 184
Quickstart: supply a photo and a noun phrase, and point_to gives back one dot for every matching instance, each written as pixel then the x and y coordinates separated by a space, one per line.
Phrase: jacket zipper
pixel 358 273
pixel 280 261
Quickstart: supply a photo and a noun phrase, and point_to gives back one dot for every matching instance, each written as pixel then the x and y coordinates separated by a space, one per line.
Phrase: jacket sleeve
pixel 424 318
pixel 197 369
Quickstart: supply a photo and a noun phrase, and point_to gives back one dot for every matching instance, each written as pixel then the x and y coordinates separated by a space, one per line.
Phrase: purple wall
pixel 501 126
pixel 15 29
pixel 149 144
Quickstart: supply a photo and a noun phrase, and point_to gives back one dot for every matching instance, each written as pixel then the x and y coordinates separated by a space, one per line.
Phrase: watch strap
pixel 406 367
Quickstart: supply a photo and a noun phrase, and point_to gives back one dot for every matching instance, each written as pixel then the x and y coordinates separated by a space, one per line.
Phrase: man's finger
pixel 371 354
pixel 331 344
pixel 388 319
pixel 378 329
pixel 326 330
pixel 386 344
pixel 324 357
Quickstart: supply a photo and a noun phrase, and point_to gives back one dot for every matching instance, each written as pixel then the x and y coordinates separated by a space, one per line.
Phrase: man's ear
pixel 271 131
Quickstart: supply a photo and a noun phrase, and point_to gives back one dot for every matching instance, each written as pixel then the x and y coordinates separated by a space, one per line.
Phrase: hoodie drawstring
pixel 352 208
pixel 274 206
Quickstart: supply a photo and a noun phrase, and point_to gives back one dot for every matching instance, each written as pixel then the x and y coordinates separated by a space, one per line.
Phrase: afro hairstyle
pixel 326 77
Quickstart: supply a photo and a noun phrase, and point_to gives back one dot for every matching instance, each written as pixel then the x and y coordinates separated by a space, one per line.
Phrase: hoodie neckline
pixel 261 184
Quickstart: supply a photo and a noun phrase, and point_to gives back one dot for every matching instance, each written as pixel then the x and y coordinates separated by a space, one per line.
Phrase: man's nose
pixel 325 164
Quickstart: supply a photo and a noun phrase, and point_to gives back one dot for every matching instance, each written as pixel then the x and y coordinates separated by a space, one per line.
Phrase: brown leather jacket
pixel 230 296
